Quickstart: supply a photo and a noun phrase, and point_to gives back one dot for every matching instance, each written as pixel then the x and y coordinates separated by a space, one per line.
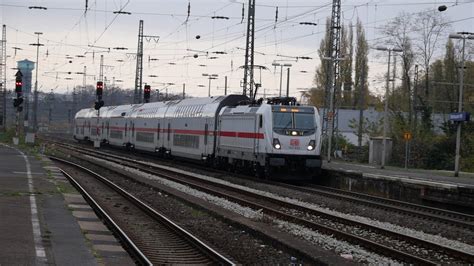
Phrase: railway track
pixel 447 217
pixel 401 247
pixel 149 236
pixel 441 216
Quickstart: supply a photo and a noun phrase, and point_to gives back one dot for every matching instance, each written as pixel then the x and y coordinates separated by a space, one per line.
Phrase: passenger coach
pixel 268 136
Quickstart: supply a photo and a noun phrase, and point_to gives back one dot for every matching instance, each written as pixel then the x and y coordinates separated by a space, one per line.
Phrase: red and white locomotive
pixel 229 131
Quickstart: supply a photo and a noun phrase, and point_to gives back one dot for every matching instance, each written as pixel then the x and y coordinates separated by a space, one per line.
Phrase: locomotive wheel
pixel 268 172
pixel 259 171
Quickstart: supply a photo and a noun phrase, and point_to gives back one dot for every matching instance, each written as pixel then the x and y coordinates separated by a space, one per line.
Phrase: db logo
pixel 294 142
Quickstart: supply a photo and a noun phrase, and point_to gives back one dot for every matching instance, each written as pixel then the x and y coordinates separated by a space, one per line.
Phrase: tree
pixel 361 73
pixel 398 33
pixel 347 51
pixel 429 27
pixel 451 65
pixel 361 68
pixel 318 94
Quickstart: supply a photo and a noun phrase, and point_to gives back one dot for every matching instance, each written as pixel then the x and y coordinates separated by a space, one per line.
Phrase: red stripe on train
pixel 229 134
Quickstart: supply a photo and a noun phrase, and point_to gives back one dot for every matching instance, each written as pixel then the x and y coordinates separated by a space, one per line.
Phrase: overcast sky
pixel 71 34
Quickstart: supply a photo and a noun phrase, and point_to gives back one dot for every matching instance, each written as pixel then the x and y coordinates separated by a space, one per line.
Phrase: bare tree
pixel 429 27
pixel 398 32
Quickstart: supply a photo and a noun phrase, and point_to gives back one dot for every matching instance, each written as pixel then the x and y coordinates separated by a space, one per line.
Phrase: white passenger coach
pixel 225 131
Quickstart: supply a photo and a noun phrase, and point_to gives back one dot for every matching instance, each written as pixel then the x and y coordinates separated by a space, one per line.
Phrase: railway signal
pixel 147 93
pixel 99 92
pixel 19 91
pixel 100 88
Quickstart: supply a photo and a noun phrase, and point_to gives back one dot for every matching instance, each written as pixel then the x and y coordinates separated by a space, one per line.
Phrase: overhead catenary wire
pixel 228 37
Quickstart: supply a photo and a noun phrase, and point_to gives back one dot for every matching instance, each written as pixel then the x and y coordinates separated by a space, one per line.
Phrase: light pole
pixel 463 36
pixel 35 104
pixel 385 114
pixel 210 77
pixel 281 73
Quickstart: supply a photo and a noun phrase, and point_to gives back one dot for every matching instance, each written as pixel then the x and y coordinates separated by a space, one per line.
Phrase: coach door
pixel 168 134
pixel 258 131
pixel 206 137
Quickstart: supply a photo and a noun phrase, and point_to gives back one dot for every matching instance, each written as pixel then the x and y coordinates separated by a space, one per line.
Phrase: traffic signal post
pixel 147 93
pixel 17 103
pixel 98 104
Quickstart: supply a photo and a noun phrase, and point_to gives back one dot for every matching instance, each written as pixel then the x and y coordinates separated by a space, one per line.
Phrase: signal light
pixel 18 86
pixel 99 88
pixel 146 93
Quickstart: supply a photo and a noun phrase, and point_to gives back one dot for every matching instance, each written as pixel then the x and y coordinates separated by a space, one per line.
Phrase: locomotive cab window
pixel 297 122
pixel 304 121
pixel 282 120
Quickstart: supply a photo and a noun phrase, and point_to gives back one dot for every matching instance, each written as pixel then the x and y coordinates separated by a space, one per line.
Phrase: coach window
pixel 261 121
pixel 169 131
pixel 158 132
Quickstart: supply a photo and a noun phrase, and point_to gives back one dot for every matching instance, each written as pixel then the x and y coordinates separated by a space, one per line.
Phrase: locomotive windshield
pixel 304 121
pixel 289 118
pixel 282 120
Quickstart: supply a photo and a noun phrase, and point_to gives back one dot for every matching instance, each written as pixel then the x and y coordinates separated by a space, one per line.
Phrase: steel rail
pixel 172 175
pixel 204 248
pixel 457 219
pixel 379 248
pixel 131 247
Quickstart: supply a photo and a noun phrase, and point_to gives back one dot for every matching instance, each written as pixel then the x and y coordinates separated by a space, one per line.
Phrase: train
pixel 274 137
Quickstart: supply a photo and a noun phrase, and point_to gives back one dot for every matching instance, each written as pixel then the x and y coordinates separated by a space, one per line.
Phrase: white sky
pixel 68 32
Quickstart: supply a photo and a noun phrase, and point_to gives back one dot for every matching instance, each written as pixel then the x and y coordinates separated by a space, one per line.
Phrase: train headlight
pixel 311 145
pixel 276 144
pixel 294 133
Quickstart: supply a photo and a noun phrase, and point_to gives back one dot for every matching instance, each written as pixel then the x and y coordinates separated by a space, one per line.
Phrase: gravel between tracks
pixel 396 228
pixel 238 244
pixel 343 248
pixel 437 230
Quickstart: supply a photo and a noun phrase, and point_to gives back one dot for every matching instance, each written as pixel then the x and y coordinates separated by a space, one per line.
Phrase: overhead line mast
pixel 332 86
pixel 139 69
pixel 249 51
pixel 3 79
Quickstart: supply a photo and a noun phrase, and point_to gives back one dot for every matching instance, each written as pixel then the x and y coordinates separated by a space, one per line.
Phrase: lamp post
pixel 35 104
pixel 463 36
pixel 210 77
pixel 385 114
pixel 281 73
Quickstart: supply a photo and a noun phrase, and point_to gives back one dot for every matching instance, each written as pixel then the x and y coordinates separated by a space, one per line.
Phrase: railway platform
pixel 435 187
pixel 44 221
